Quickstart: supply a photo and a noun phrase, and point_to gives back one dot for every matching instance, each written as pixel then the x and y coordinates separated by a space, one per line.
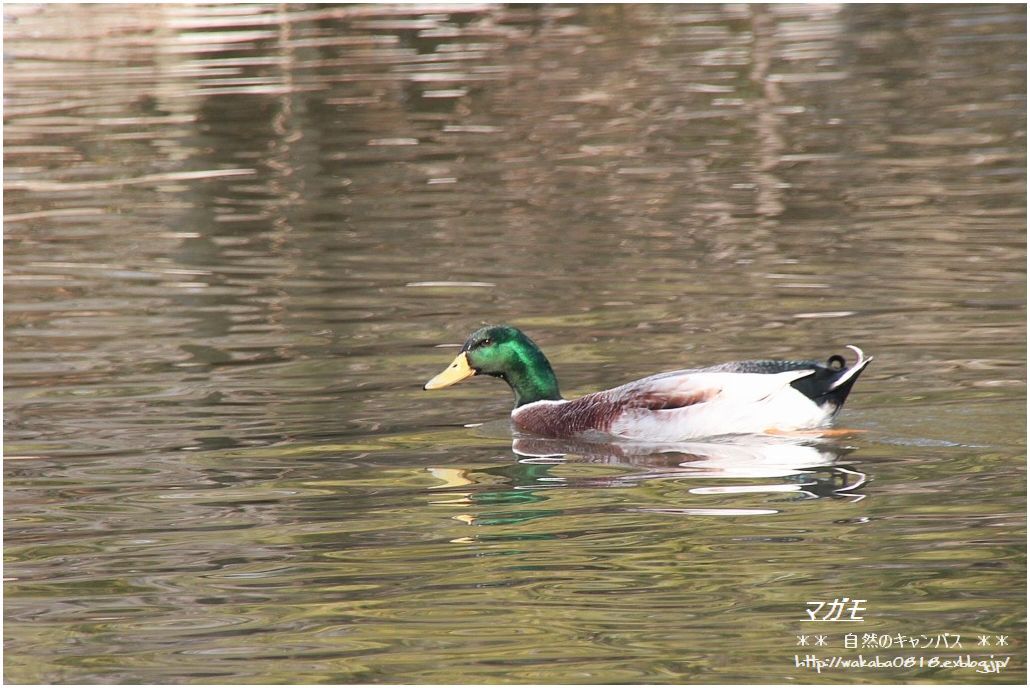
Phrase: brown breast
pixel 592 413
pixel 597 412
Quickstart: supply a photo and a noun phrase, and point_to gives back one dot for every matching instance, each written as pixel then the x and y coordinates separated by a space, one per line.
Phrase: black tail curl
pixel 830 384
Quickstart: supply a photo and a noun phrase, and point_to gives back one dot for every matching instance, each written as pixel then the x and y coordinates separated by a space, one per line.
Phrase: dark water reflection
pixel 237 238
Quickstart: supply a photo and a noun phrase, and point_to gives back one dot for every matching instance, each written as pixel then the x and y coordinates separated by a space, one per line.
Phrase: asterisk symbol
pixel 820 640
pixel 985 640
pixel 802 640
pixel 1002 640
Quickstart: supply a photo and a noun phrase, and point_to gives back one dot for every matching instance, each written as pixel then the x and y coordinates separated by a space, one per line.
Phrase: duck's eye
pixel 485 342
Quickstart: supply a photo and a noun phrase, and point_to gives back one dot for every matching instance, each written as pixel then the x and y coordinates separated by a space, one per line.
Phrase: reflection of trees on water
pixel 604 167
pixel 645 142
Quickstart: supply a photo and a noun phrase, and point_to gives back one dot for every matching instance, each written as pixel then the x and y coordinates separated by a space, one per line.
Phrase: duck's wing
pixel 707 403
pixel 682 388
pixel 651 399
pixel 827 385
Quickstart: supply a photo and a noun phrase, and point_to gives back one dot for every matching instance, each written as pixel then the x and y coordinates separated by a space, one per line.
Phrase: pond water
pixel 239 238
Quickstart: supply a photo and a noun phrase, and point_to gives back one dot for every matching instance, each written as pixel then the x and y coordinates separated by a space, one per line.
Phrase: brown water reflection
pixel 235 236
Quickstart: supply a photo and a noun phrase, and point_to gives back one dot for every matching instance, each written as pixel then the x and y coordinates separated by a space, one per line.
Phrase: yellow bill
pixel 457 371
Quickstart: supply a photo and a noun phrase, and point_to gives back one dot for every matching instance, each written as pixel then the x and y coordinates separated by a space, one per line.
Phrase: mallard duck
pixel 743 397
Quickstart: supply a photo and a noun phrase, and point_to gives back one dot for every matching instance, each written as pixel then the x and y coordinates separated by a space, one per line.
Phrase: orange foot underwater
pixel 825 432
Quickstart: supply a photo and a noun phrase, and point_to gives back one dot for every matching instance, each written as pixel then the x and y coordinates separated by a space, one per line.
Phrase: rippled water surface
pixel 238 238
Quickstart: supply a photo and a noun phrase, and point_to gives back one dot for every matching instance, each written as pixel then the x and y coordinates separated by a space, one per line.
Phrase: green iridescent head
pixel 506 352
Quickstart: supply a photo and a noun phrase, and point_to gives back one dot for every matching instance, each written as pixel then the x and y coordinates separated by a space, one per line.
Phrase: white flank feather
pixel 742 403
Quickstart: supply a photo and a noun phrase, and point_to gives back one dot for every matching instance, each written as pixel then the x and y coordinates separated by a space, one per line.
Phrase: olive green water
pixel 238 239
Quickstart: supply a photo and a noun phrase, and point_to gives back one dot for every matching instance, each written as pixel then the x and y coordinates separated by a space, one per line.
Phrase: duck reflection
pixel 785 470
pixel 808 470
